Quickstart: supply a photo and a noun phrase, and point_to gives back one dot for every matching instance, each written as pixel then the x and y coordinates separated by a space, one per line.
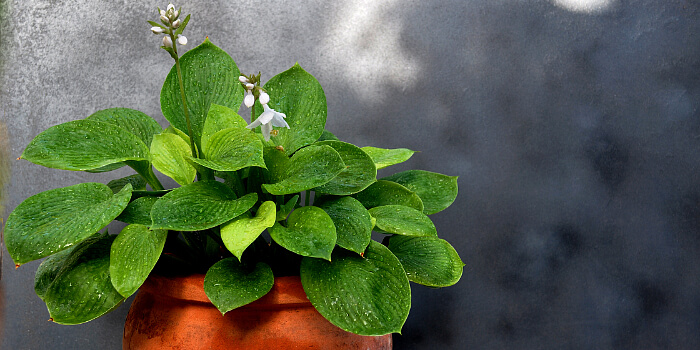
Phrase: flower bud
pixel 176 14
pixel 162 12
pixel 176 24
pixel 164 19
pixel 167 42
pixel 182 40
pixel 249 100
pixel 243 79
pixel 170 7
pixel 264 98
pixel 157 30
pixel 249 86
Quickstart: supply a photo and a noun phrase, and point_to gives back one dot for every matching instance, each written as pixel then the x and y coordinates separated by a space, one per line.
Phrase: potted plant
pixel 318 199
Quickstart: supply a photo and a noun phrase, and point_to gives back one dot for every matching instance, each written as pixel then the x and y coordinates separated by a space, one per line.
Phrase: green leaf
pixel 385 192
pixel 209 76
pixel 84 145
pixel 107 168
pixel 242 231
pixel 277 163
pixel 81 289
pixel 353 224
pixel 199 206
pixel 428 261
pixel 310 167
pixel 133 121
pixel 175 131
pixel 232 149
pixel 327 136
pixel 170 155
pixel 230 285
pixel 359 174
pixel 402 220
pixel 138 211
pixel 437 191
pixel 386 157
pixel 297 94
pixel 309 232
pixel 366 296
pixel 182 26
pixel 220 118
pixel 137 183
pixel 54 220
pixel 287 208
pixel 48 270
pixel 133 255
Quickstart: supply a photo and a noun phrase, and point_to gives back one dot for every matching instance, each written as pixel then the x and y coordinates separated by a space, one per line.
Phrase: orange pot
pixel 174 313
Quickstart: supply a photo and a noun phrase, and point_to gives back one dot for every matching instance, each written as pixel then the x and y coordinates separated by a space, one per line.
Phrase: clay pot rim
pixel 286 291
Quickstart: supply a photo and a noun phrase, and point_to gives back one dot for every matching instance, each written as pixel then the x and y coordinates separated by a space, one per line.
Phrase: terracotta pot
pixel 174 313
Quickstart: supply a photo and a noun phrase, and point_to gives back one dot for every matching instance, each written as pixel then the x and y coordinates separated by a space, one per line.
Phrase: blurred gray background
pixel 573 125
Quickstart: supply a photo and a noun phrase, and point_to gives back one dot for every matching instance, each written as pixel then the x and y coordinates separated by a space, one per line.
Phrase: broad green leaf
pixel 84 145
pixel 49 269
pixel 199 206
pixel 82 290
pixel 170 155
pixel 308 168
pixel 437 191
pixel 137 183
pixel 175 131
pixel 353 224
pixel 232 149
pixel 428 261
pixel 277 163
pixel 209 76
pixel 385 192
pixel 133 255
pixel 359 174
pixel 366 296
pixel 54 220
pixel 386 157
pixel 309 232
pixel 242 231
pixel 287 208
pixel 402 220
pixel 107 168
pixel 230 285
pixel 297 94
pixel 138 211
pixel 220 118
pixel 327 135
pixel 133 121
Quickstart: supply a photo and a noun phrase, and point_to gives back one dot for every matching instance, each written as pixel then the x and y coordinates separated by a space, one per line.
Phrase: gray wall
pixel 573 125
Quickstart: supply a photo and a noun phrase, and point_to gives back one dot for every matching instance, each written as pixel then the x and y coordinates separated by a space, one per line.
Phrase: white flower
pixel 264 98
pixel 268 119
pixel 157 30
pixel 243 79
pixel 176 24
pixel 164 19
pixel 167 42
pixel 170 7
pixel 181 39
pixel 162 12
pixel 249 99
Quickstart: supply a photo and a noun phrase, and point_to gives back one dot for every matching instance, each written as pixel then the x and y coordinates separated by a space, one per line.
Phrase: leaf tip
pixel 17 266
pixel 50 319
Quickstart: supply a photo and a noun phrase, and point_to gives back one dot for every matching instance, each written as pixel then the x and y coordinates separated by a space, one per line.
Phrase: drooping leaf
pixel 220 118
pixel 366 296
pixel 133 121
pixel 386 157
pixel 437 191
pixel 84 145
pixel 232 149
pixel 385 192
pixel 133 255
pixel 402 220
pixel 199 206
pixel 287 208
pixel 137 182
pixel 230 285
pixel 309 232
pixel 428 261
pixel 299 95
pixel 81 289
pixel 54 220
pixel 209 76
pixel 359 174
pixel 170 155
pixel 353 224
pixel 138 211
pixel 242 231
pixel 308 168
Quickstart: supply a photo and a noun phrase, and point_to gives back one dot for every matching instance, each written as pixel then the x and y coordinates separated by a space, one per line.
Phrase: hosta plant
pixel 318 199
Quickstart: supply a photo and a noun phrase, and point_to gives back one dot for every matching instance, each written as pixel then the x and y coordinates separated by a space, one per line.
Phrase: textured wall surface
pixel 573 125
